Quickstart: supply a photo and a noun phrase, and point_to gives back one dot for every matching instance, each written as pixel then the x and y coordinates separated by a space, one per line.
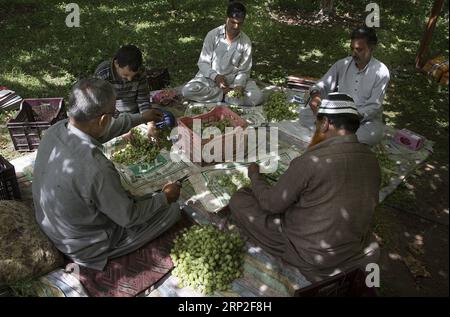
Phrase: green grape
pixel 141 149
pixel 232 183
pixel 163 138
pixel 221 125
pixel 239 93
pixel 236 110
pixel 206 263
pixel 198 110
pixel 387 166
pixel 277 108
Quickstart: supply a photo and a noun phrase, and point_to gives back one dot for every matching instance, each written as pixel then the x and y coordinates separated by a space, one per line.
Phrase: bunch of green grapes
pixel 387 166
pixel 236 110
pixel 198 110
pixel 236 93
pixel 207 259
pixel 140 149
pixel 277 108
pixel 163 139
pixel 221 125
pixel 233 182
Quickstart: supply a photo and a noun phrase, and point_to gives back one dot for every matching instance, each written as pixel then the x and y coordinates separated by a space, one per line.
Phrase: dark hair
pixel 236 10
pixel 129 55
pixel 367 33
pixel 347 121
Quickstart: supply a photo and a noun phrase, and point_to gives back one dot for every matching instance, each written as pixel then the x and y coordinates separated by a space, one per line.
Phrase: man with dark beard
pixel 317 216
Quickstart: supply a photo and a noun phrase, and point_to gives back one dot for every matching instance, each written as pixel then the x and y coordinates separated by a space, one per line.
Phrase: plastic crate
pixel 158 78
pixel 187 138
pixel 9 188
pixel 35 116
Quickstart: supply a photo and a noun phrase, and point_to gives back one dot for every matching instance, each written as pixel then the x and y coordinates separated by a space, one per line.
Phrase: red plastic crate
pixel 35 116
pixel 9 188
pixel 187 137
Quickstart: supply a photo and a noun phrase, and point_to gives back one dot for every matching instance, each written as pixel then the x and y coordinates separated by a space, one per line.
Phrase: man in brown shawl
pixel 317 216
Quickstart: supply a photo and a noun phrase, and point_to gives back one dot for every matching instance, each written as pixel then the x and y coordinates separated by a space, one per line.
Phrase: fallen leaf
pixel 415 249
pixel 416 267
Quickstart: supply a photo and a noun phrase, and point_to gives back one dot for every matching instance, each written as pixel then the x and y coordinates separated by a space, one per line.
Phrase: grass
pixel 43 57
pixel 26 288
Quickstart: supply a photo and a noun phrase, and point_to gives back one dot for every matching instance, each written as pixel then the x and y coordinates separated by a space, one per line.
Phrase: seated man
pixel 127 74
pixel 360 76
pixel 225 63
pixel 317 216
pixel 78 197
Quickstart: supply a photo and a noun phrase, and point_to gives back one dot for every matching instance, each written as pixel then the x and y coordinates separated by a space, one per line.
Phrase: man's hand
pixel 152 130
pixel 221 82
pixel 153 115
pixel 315 102
pixel 172 192
pixel 252 169
pixel 128 137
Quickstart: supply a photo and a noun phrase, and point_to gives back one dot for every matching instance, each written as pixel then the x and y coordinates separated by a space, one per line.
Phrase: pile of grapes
pixel 207 259
pixel 235 93
pixel 233 182
pixel 195 111
pixel 388 167
pixel 236 110
pixel 141 149
pixel 163 138
pixel 277 108
pixel 221 125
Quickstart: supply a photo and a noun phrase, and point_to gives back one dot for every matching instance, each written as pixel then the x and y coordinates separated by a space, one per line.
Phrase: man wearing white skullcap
pixel 317 215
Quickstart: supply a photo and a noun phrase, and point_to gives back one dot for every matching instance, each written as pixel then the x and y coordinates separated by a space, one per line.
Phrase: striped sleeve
pixel 143 95
pixel 103 71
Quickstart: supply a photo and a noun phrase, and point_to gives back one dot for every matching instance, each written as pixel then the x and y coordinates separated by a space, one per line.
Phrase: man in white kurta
pixel 225 63
pixel 360 76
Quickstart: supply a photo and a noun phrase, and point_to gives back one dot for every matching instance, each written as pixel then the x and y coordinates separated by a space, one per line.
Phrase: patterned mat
pixel 133 273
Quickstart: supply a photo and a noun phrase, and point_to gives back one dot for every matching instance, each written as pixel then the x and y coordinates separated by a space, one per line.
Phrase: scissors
pixel 178 182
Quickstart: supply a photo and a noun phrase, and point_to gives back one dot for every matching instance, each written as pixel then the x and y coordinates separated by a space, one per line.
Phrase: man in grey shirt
pixel 362 77
pixel 225 63
pixel 79 200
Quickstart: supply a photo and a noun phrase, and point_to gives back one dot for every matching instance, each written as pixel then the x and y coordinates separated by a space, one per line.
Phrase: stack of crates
pixel 35 116
pixel 9 188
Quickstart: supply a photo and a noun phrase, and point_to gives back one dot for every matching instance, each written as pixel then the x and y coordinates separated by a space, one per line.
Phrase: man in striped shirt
pixel 127 74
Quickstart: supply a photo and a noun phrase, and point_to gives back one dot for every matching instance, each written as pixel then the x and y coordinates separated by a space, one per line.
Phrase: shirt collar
pixel 365 68
pixel 222 33
pixel 350 138
pixel 86 138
